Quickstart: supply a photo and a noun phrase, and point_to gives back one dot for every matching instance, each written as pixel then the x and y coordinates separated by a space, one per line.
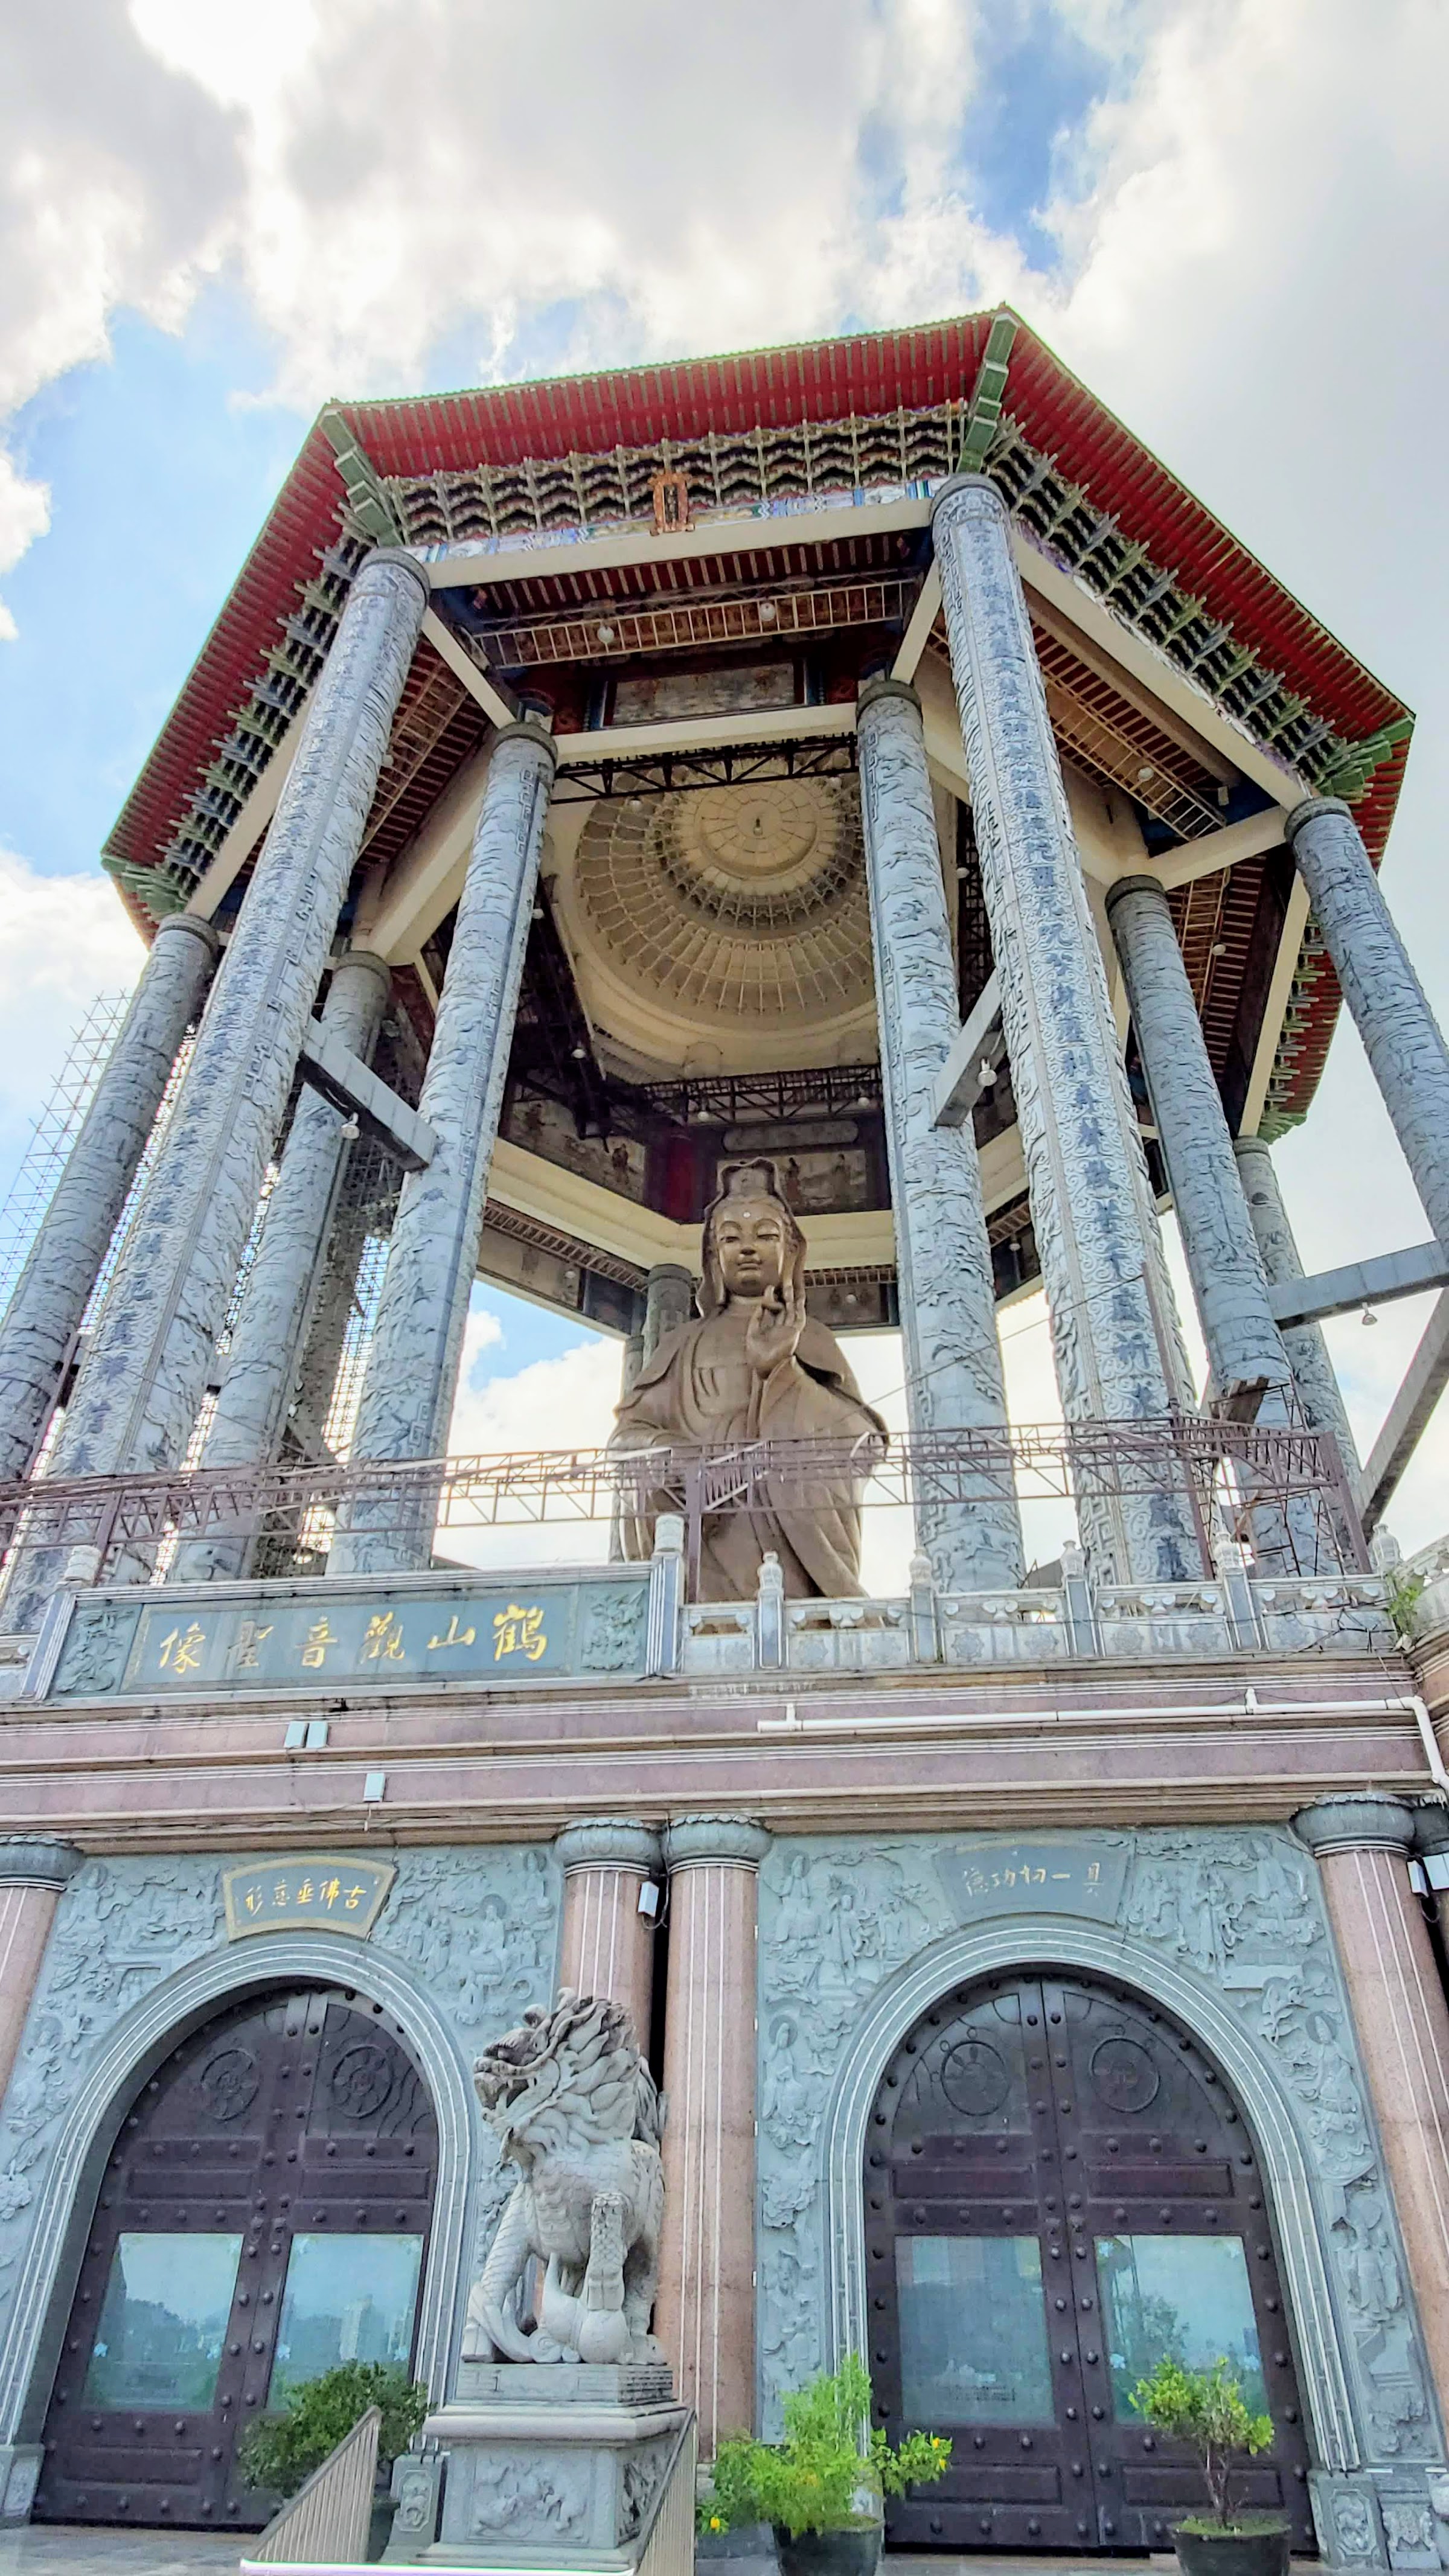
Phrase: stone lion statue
pixel 575 2108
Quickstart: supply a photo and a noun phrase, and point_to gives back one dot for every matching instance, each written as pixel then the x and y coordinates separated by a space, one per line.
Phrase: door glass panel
pixel 973 2331
pixel 1183 2295
pixel 348 2298
pixel 163 2321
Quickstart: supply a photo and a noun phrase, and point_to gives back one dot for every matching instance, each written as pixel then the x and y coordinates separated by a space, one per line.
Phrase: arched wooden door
pixel 1059 2190
pixel 264 2214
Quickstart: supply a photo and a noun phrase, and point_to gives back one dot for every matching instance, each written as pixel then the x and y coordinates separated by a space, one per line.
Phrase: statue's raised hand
pixel 773 1332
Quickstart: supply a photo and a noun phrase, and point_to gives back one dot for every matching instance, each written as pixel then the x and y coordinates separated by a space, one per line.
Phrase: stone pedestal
pixel 552 2465
pixel 32 1875
pixel 705 2314
pixel 1362 1846
pixel 607 1945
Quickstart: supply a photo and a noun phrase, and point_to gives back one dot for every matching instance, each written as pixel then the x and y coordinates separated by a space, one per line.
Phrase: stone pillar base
pixel 553 2465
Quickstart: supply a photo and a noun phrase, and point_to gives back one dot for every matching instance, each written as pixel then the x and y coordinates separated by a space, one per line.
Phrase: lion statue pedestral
pixel 575 2108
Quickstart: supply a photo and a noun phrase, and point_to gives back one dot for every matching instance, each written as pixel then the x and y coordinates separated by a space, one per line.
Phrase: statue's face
pixel 751 1246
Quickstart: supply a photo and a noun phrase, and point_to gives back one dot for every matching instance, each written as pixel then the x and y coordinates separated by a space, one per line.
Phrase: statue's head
pixel 751 1240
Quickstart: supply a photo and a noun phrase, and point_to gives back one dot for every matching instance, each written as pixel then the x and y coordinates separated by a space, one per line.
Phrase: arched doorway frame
pixel 964 1957
pixel 138 2044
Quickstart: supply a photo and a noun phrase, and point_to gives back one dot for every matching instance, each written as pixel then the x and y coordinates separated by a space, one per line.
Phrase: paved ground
pixel 72 2549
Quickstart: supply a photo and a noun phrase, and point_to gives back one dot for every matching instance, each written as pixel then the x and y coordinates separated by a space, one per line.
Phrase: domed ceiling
pixel 728 926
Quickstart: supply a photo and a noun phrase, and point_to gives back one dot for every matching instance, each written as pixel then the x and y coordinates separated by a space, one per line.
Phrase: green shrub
pixel 283 2450
pixel 1205 2409
pixel 829 2460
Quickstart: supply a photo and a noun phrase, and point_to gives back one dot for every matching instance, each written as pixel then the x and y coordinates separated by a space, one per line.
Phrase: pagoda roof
pixel 761 390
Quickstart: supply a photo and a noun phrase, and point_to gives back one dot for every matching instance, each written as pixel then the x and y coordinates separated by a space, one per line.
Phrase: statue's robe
pixel 699 1387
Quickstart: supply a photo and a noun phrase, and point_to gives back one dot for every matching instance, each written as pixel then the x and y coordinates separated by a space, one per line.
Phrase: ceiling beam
pixel 476 567
pixel 1224 849
pixel 923 618
pixel 1295 922
pixel 427 876
pixel 478 683
pixel 703 733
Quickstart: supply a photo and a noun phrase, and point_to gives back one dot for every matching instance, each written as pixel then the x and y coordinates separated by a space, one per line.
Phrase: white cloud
pixel 66 940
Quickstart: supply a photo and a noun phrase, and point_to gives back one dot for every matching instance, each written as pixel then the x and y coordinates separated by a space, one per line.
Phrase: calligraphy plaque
pixel 320 1892
pixel 985 1880
pixel 208 1643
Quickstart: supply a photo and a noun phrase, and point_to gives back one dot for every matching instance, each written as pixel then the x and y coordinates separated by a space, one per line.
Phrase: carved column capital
pixel 192 922
pixel 968 496
pixel 30 1860
pixel 607 1842
pixel 872 692
pixel 1369 1822
pixel 1310 810
pixel 527 730
pixel 1135 885
pixel 399 555
pixel 693 1842
pixel 1431 1830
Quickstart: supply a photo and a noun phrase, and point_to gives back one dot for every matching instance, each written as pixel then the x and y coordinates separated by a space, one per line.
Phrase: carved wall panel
pixel 1224 1927
pixel 466 1942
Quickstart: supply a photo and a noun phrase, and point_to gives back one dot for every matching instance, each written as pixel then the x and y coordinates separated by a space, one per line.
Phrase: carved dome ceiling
pixel 727 912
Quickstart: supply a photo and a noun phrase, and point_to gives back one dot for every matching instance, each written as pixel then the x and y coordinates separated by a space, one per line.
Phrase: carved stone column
pixel 606 1946
pixel 943 1257
pixel 1223 1261
pixel 1114 1326
pixel 277 1301
pixel 32 1875
pixel 417 1343
pixel 143 1378
pixel 53 1290
pixel 705 2317
pixel 1402 1039
pixel 1362 1846
pixel 1320 1396
pixel 668 1303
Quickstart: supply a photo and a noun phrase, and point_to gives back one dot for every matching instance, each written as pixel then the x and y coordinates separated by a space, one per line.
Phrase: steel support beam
pixel 1360 1283
pixel 355 1089
pixel 982 1043
pixel 1408 1418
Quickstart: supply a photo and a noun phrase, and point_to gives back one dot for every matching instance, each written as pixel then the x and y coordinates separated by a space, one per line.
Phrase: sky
pixel 1226 215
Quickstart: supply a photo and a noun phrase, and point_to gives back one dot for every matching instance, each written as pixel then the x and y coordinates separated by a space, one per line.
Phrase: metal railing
pixel 126 1528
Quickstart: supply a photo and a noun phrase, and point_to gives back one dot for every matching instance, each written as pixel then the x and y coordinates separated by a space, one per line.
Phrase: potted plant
pixel 1205 2410
pixel 821 2487
pixel 283 2450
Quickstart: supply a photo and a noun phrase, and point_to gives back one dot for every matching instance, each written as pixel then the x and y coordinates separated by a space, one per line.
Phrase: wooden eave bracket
pixel 983 411
pixel 367 497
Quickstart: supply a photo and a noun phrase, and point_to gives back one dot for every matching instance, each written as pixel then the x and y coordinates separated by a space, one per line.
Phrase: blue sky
pixel 211 222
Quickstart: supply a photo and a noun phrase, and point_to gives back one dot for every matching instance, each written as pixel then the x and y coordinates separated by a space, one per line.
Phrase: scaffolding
pixel 54 1130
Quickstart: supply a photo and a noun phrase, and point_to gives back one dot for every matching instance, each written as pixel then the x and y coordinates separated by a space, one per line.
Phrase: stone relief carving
pixel 478 1926
pixel 1238 1910
pixel 613 1639
pixel 95 1650
pixel 513 2498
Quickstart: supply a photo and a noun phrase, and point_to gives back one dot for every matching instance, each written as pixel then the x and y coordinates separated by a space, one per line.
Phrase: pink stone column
pixel 607 1945
pixel 1362 1846
pixel 705 2317
pixel 32 1875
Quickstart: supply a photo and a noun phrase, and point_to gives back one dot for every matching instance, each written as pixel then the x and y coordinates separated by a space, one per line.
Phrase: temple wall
pixel 1224 1929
